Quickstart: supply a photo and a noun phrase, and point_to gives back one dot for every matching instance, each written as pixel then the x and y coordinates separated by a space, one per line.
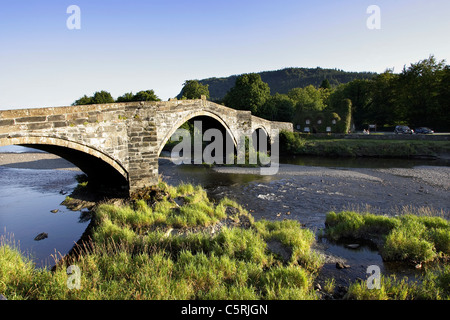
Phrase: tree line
pixel 418 96
pixel 101 97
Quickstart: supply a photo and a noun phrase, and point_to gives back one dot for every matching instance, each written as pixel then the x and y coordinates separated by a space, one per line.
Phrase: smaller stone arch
pixel 189 117
pixel 256 137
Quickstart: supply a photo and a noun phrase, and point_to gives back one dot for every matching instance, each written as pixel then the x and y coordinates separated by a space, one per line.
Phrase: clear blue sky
pixel 132 45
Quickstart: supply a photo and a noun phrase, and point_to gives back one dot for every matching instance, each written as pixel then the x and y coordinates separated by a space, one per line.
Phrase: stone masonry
pixel 127 138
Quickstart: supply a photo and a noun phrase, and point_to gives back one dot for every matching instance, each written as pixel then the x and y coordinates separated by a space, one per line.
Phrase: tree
pixel 147 95
pixel 248 93
pixel 101 97
pixel 420 86
pixel 278 107
pixel 83 101
pixel 383 108
pixel 308 98
pixel 359 93
pixel 325 84
pixel 192 89
pixel 127 97
pixel 443 116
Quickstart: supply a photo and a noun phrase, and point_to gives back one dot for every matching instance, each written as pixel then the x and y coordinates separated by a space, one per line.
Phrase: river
pixel 304 189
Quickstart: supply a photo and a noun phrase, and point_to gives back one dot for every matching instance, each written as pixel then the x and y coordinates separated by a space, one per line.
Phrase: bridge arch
pixel 192 115
pixel 88 159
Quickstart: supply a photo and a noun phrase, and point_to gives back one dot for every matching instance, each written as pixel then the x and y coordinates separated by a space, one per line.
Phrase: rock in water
pixel 341 265
pixel 41 236
pixel 54 211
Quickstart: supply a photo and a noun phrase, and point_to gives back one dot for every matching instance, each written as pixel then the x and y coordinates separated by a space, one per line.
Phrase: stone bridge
pixel 119 141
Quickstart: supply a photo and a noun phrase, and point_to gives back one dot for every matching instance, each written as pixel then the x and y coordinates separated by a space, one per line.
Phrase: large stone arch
pixel 190 116
pixel 85 157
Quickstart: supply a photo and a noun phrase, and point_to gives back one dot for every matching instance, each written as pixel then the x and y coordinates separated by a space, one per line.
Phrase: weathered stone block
pixel 59 117
pixel 39 126
pixel 31 119
pixel 8 122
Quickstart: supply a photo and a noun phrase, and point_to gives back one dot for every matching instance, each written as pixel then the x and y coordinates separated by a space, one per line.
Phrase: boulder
pixel 41 236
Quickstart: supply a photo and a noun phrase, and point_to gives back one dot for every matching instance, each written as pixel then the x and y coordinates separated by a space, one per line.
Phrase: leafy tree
pixel 308 98
pixel 443 116
pixel 147 95
pixel 420 86
pixel 192 89
pixel 101 97
pixel 359 93
pixel 383 108
pixel 248 93
pixel 127 97
pixel 278 107
pixel 325 84
pixel 83 101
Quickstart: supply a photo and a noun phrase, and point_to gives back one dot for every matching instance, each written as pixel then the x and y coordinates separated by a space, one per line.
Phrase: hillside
pixel 281 81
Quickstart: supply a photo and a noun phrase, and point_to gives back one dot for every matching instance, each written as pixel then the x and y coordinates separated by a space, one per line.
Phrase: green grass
pixel 408 237
pixel 296 144
pixel 435 285
pixel 131 256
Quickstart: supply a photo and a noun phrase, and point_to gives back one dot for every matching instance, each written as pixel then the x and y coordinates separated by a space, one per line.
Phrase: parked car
pixel 403 130
pixel 424 130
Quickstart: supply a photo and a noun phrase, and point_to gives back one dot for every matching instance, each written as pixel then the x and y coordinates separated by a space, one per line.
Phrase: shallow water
pixel 27 198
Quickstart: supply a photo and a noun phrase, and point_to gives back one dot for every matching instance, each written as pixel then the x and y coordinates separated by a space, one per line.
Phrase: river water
pixel 304 189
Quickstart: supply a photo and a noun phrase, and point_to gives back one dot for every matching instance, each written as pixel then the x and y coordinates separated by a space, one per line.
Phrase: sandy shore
pixel 37 161
pixel 433 176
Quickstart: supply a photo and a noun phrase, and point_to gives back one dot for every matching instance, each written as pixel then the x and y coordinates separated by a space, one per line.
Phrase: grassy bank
pixel 435 285
pixel 409 238
pixel 174 243
pixel 415 240
pixel 181 246
pixel 292 143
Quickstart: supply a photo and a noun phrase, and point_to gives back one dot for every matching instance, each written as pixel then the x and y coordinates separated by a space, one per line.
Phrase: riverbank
pixel 178 244
pixel 292 143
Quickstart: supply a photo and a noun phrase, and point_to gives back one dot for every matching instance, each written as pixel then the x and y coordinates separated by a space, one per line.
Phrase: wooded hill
pixel 281 81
